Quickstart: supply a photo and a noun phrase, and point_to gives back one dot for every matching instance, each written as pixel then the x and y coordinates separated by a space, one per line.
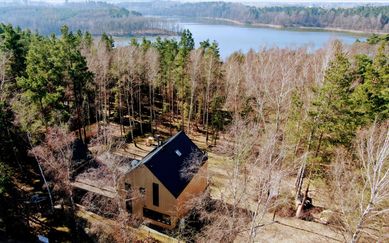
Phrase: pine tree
pixel 167 50
pixel 371 98
pixel 331 114
pixel 77 76
pixel 214 98
pixel 43 89
pixel 185 46
pixel 14 43
pixel 6 172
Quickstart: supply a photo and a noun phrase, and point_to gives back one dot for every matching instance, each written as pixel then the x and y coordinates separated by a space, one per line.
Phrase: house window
pixel 178 152
pixel 129 205
pixel 155 194
pixel 157 216
pixel 127 186
pixel 142 191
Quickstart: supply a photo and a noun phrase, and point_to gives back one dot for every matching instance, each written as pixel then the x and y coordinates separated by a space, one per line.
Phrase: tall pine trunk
pixel 140 109
pixel 151 107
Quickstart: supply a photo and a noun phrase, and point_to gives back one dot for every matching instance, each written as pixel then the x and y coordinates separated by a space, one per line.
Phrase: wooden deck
pixel 142 233
pixel 87 186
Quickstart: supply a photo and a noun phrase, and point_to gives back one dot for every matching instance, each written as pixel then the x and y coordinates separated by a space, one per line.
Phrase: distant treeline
pixel 94 17
pixel 363 18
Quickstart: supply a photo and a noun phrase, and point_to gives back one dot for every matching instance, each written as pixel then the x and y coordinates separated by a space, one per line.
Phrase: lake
pixel 233 38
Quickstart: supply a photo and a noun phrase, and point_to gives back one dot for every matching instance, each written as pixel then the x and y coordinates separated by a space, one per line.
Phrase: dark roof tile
pixel 167 162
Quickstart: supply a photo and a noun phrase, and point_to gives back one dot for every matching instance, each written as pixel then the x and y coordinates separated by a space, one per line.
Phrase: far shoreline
pixel 296 28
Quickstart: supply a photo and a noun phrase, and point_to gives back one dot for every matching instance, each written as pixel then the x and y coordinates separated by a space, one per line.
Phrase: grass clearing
pixel 283 229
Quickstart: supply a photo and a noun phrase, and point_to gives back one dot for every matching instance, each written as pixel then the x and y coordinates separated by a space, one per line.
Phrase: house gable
pixel 196 186
pixel 142 178
pixel 168 161
pixel 162 169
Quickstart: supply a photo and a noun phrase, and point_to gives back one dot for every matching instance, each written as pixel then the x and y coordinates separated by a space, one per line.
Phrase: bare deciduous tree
pixel 152 69
pixel 110 168
pixel 373 151
pixel 361 185
pixel 251 186
pixel 4 59
pixel 55 156
pixel 195 79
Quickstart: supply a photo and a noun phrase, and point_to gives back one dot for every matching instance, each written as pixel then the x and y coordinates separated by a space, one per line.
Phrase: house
pixel 158 187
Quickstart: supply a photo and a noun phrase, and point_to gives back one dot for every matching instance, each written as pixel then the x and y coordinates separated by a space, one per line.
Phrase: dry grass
pixel 142 233
pixel 283 229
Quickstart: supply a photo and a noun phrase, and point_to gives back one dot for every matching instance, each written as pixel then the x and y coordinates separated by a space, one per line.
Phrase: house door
pixel 128 197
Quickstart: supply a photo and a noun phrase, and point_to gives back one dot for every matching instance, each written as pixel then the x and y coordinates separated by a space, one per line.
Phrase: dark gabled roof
pixel 165 163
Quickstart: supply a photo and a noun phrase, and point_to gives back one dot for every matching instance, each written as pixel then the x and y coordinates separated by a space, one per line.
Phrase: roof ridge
pixel 166 163
pixel 154 151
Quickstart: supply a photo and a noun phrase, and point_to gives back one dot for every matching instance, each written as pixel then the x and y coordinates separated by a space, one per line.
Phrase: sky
pixel 298 1
pixel 252 1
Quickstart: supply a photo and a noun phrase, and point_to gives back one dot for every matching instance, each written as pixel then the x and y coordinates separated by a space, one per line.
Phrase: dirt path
pixel 292 230
pixel 280 230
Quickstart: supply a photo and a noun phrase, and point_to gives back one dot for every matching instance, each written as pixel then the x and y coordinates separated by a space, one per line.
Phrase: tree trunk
pixel 207 118
pixel 129 114
pixel 43 176
pixel 172 109
pixel 151 108
pixel 358 228
pixel 133 112
pixel 300 207
pixel 120 113
pixel 43 115
pixel 318 146
pixel 207 99
pixel 190 109
pixel 182 115
pixel 140 109
pixel 98 108
pixel 105 105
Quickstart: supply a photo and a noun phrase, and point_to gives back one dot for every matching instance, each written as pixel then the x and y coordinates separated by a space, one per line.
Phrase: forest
pixel 94 17
pixel 363 18
pixel 287 125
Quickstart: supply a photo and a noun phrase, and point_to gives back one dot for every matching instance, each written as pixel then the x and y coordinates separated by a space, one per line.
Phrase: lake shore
pixel 232 37
pixel 297 28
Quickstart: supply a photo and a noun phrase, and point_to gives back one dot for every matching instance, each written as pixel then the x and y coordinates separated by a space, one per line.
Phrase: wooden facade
pixel 144 194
